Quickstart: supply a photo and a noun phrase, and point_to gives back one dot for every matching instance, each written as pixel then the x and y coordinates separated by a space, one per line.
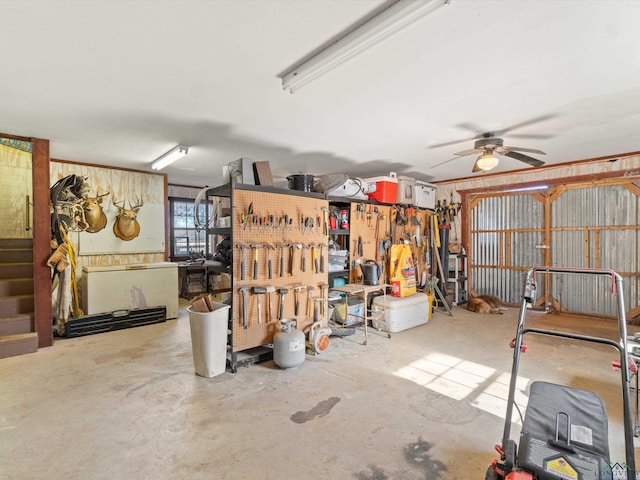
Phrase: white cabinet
pixel 457 278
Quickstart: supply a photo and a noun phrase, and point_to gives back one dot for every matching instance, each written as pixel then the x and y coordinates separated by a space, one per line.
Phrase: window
pixel 187 240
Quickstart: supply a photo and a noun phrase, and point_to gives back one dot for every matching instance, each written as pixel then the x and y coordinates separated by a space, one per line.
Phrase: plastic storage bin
pixel 425 195
pixel 406 190
pixel 347 310
pixel 382 189
pixel 209 339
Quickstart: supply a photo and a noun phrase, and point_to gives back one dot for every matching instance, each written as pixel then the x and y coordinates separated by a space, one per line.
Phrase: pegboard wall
pixel 291 230
pixel 374 227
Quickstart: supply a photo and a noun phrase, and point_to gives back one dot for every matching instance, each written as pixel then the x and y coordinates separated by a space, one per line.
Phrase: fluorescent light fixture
pixel 486 161
pixel 171 156
pixel 392 19
pixel 528 189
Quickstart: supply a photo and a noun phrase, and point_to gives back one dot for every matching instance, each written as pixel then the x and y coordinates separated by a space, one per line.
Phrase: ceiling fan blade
pixel 520 149
pixel 476 168
pixel 524 158
pixel 472 128
pixel 541 118
pixel 442 163
pixel 446 144
pixel 466 126
pixel 538 136
pixel 471 151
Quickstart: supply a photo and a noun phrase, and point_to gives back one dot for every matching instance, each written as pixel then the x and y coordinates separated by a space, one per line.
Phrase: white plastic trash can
pixel 209 339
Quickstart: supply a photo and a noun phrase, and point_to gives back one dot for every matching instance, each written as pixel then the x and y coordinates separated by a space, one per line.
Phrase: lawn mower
pixel 564 434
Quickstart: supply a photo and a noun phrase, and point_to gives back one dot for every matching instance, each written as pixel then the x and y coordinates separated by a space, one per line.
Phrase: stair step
pixel 16 304
pixel 19 344
pixel 16 324
pixel 14 255
pixel 15 286
pixel 16 243
pixel 13 270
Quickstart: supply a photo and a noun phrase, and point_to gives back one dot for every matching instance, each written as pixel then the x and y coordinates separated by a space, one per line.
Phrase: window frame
pixel 179 256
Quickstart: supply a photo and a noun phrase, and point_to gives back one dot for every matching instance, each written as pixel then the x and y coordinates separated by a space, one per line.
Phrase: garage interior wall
pixel 122 184
pixel 587 217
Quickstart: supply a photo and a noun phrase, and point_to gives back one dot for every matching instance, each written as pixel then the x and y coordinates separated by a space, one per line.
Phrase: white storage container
pixel 406 190
pixel 403 313
pixel 425 195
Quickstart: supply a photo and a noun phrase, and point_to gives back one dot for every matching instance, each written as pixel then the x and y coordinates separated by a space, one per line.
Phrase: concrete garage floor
pixel 426 404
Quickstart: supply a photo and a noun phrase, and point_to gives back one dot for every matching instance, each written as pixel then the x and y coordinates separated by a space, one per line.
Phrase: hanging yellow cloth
pixel 75 306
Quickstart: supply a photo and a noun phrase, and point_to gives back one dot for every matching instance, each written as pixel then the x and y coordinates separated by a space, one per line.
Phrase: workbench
pixel 358 289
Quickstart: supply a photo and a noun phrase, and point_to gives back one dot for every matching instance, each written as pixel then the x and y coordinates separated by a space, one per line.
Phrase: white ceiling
pixel 120 83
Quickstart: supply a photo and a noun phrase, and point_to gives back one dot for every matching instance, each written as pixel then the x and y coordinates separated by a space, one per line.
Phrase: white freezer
pixel 119 287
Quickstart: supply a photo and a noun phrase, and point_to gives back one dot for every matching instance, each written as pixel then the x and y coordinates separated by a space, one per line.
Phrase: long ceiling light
pixel 386 23
pixel 171 156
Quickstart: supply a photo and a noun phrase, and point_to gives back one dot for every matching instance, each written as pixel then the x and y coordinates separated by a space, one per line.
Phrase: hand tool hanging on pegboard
pixel 454 210
pixel 241 246
pixel 255 247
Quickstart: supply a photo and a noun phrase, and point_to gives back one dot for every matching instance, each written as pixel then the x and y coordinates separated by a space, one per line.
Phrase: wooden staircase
pixel 17 329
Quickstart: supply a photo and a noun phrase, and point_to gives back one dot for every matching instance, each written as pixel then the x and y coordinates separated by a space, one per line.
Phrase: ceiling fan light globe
pixel 487 161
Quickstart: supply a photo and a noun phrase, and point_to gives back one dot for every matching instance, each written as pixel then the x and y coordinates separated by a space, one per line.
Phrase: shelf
pixel 339 231
pixel 219 231
pixel 339 273
pixel 225 190
pixel 457 277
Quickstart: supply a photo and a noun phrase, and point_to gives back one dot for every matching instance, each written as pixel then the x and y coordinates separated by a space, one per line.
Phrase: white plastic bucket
pixel 209 339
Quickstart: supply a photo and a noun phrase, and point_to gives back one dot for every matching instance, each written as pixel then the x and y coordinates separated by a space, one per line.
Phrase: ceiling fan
pixel 489 143
pixel 488 146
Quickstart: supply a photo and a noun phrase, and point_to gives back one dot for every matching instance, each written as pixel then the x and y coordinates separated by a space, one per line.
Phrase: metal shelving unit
pixel 457 280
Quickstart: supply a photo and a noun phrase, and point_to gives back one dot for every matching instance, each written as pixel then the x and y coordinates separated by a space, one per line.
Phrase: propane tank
pixel 288 345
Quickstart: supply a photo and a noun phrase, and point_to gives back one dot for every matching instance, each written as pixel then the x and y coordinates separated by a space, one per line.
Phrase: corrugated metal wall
pixel 594 227
pixel 497 241
pixel 600 213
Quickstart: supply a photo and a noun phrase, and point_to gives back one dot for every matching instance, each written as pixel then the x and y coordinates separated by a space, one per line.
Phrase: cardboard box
pixel 262 171
pixel 221 280
pixel 239 171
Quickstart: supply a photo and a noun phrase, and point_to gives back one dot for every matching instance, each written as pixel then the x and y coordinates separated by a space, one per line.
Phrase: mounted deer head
pixel 126 227
pixel 93 214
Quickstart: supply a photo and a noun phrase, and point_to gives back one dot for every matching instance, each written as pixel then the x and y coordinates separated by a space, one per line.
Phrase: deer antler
pixel 138 205
pixel 100 196
pixel 115 204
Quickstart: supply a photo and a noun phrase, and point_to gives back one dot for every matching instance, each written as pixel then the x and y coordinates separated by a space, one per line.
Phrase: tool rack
pixel 374 227
pixel 295 224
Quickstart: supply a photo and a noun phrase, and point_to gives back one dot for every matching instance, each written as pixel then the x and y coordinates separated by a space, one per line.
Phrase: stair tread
pixel 17 336
pixel 16 315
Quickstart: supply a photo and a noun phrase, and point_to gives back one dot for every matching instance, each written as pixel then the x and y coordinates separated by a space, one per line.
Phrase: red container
pixel 383 189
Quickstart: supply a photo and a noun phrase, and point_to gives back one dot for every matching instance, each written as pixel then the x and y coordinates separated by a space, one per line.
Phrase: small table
pixel 363 291
pixel 189 272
